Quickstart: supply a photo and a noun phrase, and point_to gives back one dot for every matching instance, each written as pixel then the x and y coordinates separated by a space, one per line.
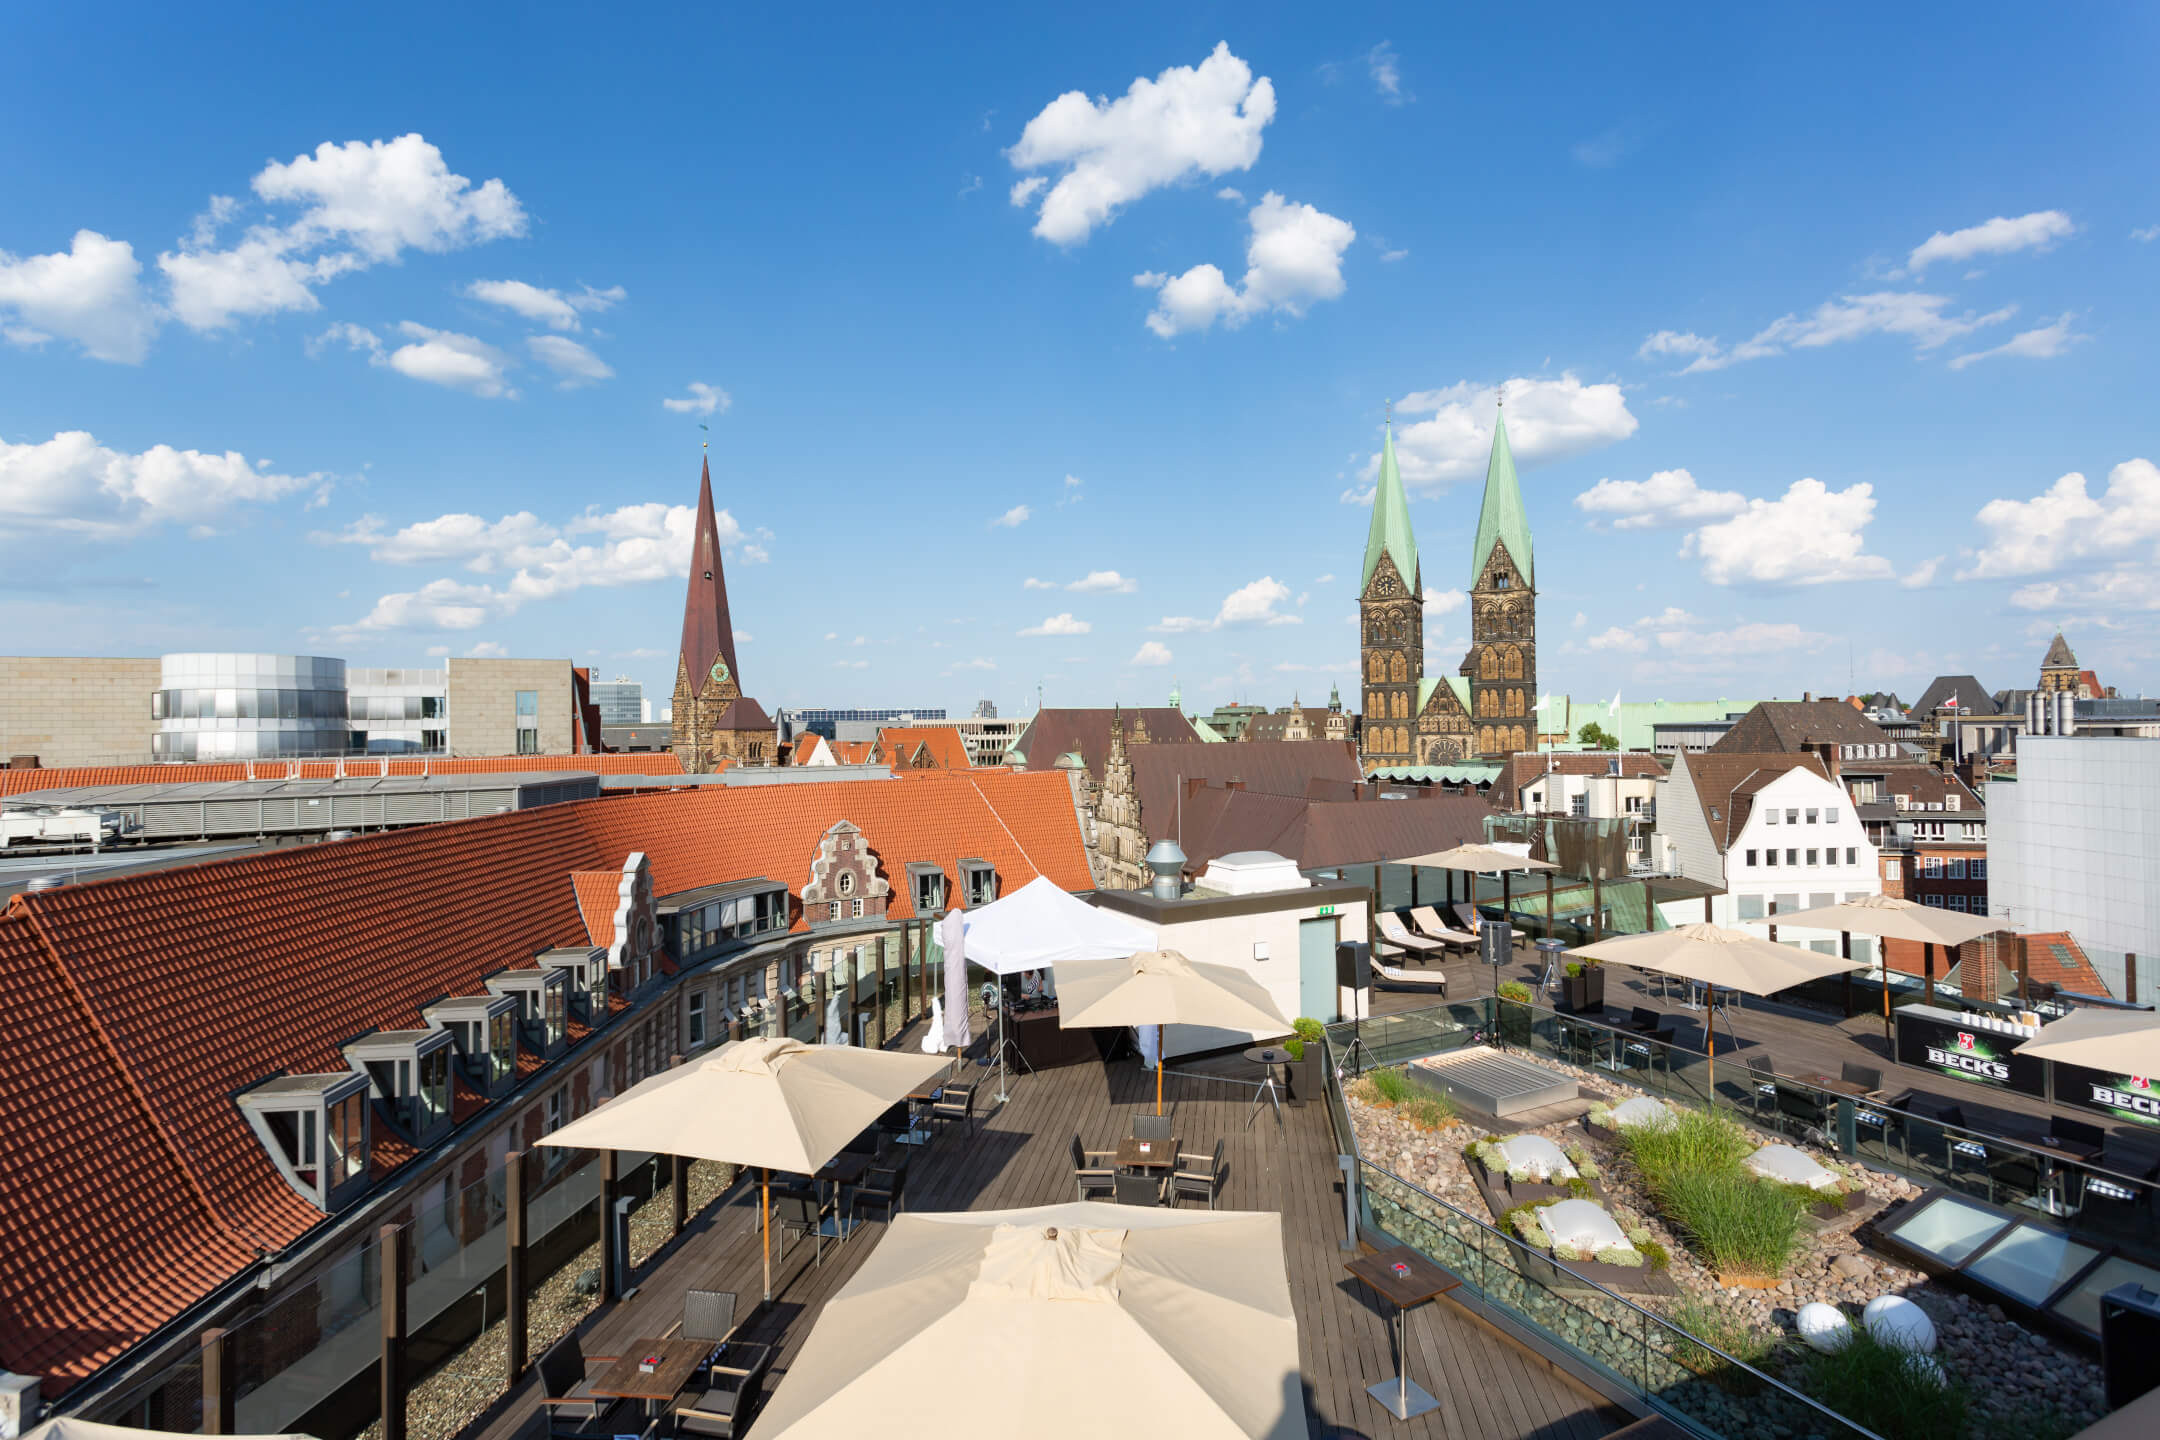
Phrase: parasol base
pixel 1404 1399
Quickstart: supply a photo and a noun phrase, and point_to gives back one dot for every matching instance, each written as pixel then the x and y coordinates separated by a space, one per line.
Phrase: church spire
pixel 1501 518
pixel 708 636
pixel 1390 533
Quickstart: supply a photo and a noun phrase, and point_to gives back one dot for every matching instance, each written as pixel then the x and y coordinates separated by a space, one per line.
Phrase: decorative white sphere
pixel 1926 1367
pixel 1894 1320
pixel 1824 1327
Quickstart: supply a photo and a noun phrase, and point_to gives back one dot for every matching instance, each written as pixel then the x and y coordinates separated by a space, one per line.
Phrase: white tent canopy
pixel 1039 925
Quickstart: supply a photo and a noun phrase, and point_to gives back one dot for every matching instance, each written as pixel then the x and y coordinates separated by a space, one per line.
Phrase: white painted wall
pixel 1751 889
pixel 1229 940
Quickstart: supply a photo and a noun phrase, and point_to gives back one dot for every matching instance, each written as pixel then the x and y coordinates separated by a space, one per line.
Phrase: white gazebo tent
pixel 1039 925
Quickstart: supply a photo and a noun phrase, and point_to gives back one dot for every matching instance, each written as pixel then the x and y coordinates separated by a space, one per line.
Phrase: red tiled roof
pixel 902 744
pixel 851 752
pixel 806 747
pixel 599 895
pixel 2055 956
pixel 141 1004
pixel 17 782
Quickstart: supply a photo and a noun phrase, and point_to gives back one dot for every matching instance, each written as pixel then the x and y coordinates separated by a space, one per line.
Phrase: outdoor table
pixel 1419 1281
pixel 1273 1057
pixel 918 1100
pixel 677 1361
pixel 2049 1147
pixel 1160 1154
pixel 841 1171
pixel 1839 1087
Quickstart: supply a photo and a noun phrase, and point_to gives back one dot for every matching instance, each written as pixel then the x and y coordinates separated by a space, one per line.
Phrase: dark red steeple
pixel 707 633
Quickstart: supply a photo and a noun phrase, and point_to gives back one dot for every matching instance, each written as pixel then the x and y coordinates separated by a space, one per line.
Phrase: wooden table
pixel 1160 1154
pixel 1840 1087
pixel 1405 1279
pixel 678 1361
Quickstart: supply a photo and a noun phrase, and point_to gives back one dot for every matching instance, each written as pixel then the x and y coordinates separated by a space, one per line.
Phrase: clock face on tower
pixel 719 672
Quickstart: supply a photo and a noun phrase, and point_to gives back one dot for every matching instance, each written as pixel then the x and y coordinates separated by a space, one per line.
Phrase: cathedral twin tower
pixel 1488 710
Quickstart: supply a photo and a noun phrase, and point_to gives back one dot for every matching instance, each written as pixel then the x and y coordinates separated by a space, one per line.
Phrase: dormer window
pixel 484 1030
pixel 409 1072
pixel 315 1130
pixel 926 885
pixel 978 882
pixel 585 972
pixel 543 1006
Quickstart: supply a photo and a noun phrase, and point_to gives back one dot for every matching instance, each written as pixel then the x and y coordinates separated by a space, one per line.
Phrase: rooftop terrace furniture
pixel 955 1105
pixel 1467 913
pixel 801 1211
pixel 1801 1110
pixel 1432 927
pixel 1149 1126
pixel 565 1392
pixel 738 1384
pixel 1867 1077
pixel 1762 1070
pixel 1387 977
pixel 1199 1175
pixel 1091 1175
pixel 708 1315
pixel 2077 1131
pixel 1139 1189
pixel 2015 1170
pixel 1396 936
pixel 1645 1021
pixel 882 1189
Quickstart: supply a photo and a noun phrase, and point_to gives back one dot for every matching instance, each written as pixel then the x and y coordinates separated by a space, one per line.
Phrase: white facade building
pixel 1772 832
pixel 399 711
pixel 2074 844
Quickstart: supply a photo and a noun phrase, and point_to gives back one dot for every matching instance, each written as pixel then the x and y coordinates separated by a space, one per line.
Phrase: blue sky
pixel 1053 349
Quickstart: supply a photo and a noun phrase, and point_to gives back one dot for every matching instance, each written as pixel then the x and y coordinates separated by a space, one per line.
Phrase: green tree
pixel 1597 737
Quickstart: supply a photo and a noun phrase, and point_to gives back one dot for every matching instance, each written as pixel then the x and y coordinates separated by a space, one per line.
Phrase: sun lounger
pixel 1387 977
pixel 1432 927
pixel 1467 913
pixel 1394 934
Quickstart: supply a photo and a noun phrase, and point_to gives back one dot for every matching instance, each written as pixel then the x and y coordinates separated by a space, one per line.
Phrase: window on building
pixel 1979 869
pixel 1751 907
pixel 1814 857
pixel 1769 858
pixel 1852 854
pixel 1792 857
pixel 1829 816
pixel 1957 902
pixel 1769 817
pixel 1811 816
pixel 1751 859
pixel 1934 901
pixel 1954 868
pixel 1792 817
pixel 1787 904
pixel 346 1151
pixel 1931 867
pixel 696 1019
pixel 1578 806
pixel 528 705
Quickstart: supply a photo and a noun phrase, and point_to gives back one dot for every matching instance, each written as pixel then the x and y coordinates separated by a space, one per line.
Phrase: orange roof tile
pixel 143 1003
pixel 908 744
pixel 18 782
pixel 806 747
pixel 599 895
pixel 851 752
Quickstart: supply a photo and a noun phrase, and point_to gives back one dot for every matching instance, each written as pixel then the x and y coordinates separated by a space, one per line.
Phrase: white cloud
pixel 1151 652
pixel 362 203
pixel 1389 257
pixel 1683 641
pixel 1327 579
pixel 2043 343
pixel 549 307
pixel 2145 235
pixel 1186 123
pixel 1999 236
pixel 1618 638
pixel 1059 625
pixel 1294 258
pixel 631 545
pixel 1012 519
pixel 572 361
pixel 90 294
pixel 703 399
pixel 1915 316
pixel 440 357
pixel 1922 575
pixel 2063 525
pixel 2123 588
pixel 1443 602
pixel 1072 492
pixel 1380 63
pixel 72 485
pixel 1668 497
pixel 437 652
pixel 1031 583
pixel 1104 582
pixel 1252 604
pixel 1546 420
pixel 1811 535
pixel 488 650
pixel 1602 152
pixel 851 664
pixel 978 663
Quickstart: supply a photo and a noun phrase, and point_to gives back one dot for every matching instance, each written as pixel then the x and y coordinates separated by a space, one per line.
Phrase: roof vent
pixel 46 882
pixel 339 835
pixel 1168 863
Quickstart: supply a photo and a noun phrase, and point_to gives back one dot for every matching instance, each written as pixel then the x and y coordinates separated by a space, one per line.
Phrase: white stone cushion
pixel 1793 1166
pixel 1582 1224
pixel 1894 1320
pixel 1823 1326
pixel 1535 1154
pixel 1642 1110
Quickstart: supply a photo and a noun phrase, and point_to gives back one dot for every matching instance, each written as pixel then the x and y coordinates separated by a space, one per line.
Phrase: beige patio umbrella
pixel 1486 860
pixel 1717 956
pixel 1162 987
pixel 1886 917
pixel 771 1102
pixel 1067 1314
pixel 2123 1042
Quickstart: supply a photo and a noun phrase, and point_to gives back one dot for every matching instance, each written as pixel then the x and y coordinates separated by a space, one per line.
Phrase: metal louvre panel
pixel 412 807
pixel 173 818
pixel 487 802
pixel 355 810
pixel 280 812
pixel 230 817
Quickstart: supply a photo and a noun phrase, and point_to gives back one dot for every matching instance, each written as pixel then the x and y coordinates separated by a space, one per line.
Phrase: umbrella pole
pixel 1882 958
pixel 765 1224
pixel 1158 1069
pixel 1710 1025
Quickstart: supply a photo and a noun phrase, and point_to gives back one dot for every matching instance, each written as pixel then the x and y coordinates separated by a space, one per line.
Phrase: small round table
pixel 1271 1056
pixel 1549 953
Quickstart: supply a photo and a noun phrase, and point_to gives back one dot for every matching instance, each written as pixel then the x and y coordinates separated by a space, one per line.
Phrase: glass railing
pixel 1682 1377
pixel 2093 1200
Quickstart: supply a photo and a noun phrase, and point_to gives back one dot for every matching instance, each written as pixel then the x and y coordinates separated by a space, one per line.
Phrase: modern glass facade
pixel 621 701
pixel 247 707
pixel 399 710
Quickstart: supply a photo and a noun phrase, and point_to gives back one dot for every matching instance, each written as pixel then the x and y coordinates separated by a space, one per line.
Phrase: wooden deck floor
pixel 1800 1041
pixel 1488 1385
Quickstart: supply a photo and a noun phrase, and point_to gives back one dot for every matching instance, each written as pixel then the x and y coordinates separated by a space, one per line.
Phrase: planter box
pixel 1514 1023
pixel 1584 994
pixel 1308 1077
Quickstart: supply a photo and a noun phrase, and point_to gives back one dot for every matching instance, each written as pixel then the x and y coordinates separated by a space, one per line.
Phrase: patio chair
pixel 709 1316
pixel 1645 1021
pixel 726 1408
pixel 1867 1077
pixel 1432 927
pixel 882 1189
pixel 1467 913
pixel 565 1392
pixel 2015 1170
pixel 1139 1190
pixel 1387 977
pixel 1149 1126
pixel 2076 1131
pixel 1398 937
pixel 1804 1109
pixel 803 1212
pixel 955 1105
pixel 1092 1174
pixel 1763 1071
pixel 1200 1175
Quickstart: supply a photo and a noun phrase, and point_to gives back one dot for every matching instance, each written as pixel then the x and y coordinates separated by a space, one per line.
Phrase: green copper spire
pixel 1390 533
pixel 1501 517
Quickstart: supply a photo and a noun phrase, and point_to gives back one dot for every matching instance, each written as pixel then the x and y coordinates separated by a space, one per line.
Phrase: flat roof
pixel 704 894
pixel 193 791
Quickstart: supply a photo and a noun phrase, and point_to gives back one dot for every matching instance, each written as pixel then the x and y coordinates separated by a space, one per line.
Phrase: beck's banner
pixel 2121 1097
pixel 1945 1043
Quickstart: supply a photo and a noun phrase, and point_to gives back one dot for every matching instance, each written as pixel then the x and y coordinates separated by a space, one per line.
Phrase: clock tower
pixel 714 724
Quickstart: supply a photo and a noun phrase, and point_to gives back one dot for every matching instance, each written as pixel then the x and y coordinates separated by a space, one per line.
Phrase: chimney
pixel 1237 782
